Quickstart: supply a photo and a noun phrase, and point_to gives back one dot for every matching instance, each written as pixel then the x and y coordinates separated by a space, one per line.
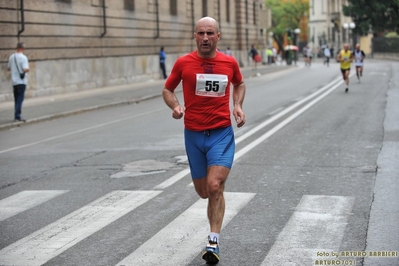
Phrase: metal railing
pixel 385 45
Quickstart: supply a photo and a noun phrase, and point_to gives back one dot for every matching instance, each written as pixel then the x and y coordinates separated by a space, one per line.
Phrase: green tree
pixel 379 15
pixel 286 15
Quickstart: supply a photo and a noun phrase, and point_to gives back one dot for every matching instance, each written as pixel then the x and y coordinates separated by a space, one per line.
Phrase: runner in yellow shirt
pixel 345 56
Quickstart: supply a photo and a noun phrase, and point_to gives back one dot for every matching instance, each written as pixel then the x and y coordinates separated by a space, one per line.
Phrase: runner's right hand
pixel 178 112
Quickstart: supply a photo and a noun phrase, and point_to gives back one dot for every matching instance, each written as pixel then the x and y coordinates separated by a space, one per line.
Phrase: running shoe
pixel 211 253
pixel 346 90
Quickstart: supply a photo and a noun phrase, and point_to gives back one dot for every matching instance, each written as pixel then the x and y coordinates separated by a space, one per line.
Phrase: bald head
pixel 209 22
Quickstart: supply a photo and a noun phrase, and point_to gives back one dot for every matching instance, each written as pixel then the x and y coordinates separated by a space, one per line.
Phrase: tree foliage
pixel 379 15
pixel 286 15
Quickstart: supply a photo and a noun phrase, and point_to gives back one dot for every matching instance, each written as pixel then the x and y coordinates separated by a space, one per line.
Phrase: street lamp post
pixel 271 38
pixel 289 41
pixel 270 48
pixel 350 27
pixel 297 31
pixel 292 37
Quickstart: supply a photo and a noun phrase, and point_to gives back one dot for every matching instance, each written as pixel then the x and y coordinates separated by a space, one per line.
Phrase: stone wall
pixel 71 75
pixel 389 56
pixel 70 50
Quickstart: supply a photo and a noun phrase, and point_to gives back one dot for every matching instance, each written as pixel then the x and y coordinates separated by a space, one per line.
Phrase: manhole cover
pixel 143 167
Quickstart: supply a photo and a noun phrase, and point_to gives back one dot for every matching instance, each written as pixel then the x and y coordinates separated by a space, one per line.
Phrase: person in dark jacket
pixel 162 58
pixel 255 56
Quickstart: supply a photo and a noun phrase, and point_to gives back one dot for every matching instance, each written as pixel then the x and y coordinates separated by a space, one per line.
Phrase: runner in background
pixel 345 57
pixel 359 58
pixel 327 54
pixel 309 55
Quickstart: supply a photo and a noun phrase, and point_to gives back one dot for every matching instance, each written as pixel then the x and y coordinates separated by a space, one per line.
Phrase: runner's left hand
pixel 239 116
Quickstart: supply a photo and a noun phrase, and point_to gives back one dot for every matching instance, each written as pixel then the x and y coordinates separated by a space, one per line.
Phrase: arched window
pixel 204 8
pixel 129 5
pixel 246 11
pixel 228 10
pixel 173 7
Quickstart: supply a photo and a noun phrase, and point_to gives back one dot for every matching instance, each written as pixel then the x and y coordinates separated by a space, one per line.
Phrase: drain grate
pixel 368 169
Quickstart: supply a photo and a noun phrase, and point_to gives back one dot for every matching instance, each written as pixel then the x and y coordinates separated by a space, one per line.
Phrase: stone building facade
pixel 326 26
pixel 324 17
pixel 75 45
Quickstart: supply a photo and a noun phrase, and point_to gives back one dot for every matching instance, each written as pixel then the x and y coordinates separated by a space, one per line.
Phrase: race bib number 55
pixel 212 85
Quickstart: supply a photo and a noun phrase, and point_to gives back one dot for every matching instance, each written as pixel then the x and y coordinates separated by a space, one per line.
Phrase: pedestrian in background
pixel 274 54
pixel 254 55
pixel 18 64
pixel 228 52
pixel 309 55
pixel 162 58
pixel 327 54
pixel 270 57
pixel 332 52
pixel 206 76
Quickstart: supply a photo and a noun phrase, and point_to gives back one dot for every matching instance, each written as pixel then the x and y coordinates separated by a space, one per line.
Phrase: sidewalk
pixel 50 107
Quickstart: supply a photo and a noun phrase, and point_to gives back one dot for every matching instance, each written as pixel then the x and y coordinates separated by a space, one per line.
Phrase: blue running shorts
pixel 209 147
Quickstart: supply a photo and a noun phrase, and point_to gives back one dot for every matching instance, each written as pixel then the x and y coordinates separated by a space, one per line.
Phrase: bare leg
pixel 215 180
pixel 347 78
pixel 217 176
pixel 200 187
pixel 212 187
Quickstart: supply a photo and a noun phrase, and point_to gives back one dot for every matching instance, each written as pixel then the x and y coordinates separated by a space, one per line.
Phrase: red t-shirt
pixel 206 89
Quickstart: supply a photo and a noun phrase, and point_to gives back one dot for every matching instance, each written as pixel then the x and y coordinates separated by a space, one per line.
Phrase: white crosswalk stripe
pixel 52 240
pixel 180 241
pixel 25 200
pixel 318 224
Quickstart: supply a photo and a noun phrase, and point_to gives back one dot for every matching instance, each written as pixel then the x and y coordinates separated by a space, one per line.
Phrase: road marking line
pixel 287 110
pixel 276 111
pixel 185 237
pixel 377 73
pixel 80 131
pixel 317 225
pixel 50 241
pixel 326 89
pixel 298 99
pixel 282 124
pixel 170 181
pixel 25 200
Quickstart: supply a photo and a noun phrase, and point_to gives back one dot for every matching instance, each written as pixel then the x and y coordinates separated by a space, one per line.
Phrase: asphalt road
pixel 110 187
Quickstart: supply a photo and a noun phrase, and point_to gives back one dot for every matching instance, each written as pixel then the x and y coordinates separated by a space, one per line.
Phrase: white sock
pixel 214 236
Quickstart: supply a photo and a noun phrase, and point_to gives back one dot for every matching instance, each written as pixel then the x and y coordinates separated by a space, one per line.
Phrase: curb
pixel 77 111
pixel 113 104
